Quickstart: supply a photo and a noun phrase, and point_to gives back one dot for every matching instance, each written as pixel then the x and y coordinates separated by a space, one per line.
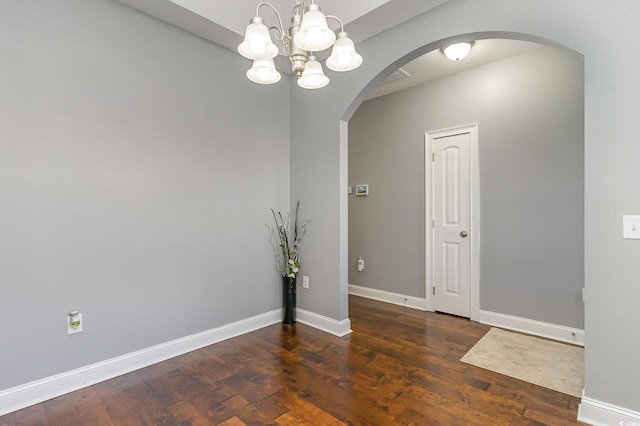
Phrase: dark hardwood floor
pixel 399 367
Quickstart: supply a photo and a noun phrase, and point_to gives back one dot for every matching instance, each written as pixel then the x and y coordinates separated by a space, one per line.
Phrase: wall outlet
pixel 305 281
pixel 360 264
pixel 631 227
pixel 74 322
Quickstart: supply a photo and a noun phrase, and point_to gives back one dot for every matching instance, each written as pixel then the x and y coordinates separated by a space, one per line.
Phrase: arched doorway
pixel 529 108
pixel 610 114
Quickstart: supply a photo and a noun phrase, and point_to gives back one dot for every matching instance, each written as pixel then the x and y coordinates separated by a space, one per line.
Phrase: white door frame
pixel 472 129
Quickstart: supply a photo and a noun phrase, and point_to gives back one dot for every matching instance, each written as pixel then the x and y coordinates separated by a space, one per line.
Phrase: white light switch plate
pixel 631 227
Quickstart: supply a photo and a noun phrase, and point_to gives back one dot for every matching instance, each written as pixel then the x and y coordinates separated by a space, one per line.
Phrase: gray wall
pixel 137 169
pixel 530 111
pixel 611 153
pixel 164 226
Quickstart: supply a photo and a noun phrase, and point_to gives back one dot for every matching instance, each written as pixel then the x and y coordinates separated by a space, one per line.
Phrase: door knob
pixel 463 234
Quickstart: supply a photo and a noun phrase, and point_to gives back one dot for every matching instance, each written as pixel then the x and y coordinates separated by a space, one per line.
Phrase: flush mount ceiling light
pixel 457 51
pixel 308 33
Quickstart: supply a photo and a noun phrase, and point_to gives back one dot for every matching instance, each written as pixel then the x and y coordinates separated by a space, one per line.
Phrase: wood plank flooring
pixel 399 367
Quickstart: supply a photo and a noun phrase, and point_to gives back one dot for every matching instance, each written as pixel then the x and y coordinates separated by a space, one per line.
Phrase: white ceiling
pixel 235 15
pixel 224 22
pixel 434 64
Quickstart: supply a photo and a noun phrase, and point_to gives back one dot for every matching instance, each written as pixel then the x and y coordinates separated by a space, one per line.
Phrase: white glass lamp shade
pixel 314 34
pixel 344 56
pixel 457 51
pixel 257 43
pixel 263 71
pixel 313 77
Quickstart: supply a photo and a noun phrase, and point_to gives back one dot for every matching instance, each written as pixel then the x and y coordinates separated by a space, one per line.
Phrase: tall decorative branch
pixel 286 248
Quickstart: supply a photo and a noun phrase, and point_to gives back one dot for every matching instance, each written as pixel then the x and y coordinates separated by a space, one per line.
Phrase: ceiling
pixel 224 22
pixel 434 64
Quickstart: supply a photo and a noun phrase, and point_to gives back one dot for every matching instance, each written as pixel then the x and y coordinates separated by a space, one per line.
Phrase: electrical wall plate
pixel 70 328
pixel 631 227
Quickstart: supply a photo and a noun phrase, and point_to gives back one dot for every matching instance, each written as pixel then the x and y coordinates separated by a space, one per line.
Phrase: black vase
pixel 289 300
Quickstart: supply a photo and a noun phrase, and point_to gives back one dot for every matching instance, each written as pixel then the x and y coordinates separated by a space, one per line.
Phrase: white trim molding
pixel 28 394
pixel 25 395
pixel 326 324
pixel 386 296
pixel 599 413
pixel 537 328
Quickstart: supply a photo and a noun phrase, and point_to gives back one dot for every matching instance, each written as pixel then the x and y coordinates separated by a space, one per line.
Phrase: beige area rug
pixel 553 365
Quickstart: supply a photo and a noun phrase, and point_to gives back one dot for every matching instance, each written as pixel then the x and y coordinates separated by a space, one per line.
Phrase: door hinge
pixel 434 290
pixel 433 156
pixel 433 223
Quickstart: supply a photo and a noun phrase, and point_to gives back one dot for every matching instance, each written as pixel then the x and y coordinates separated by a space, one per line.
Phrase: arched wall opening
pixel 530 111
pixel 317 121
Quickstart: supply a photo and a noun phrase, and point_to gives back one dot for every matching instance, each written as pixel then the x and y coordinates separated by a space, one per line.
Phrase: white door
pixel 451 224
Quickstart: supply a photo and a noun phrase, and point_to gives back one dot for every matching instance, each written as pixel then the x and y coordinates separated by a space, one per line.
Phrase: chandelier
pixel 307 34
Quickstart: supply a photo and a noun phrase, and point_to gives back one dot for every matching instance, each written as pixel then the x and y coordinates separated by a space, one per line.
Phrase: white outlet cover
pixel 631 227
pixel 78 329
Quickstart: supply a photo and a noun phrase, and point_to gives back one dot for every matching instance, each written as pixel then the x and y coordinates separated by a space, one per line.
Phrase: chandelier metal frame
pixel 308 33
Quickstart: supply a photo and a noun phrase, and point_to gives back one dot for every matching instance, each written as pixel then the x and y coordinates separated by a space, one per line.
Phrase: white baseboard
pixel 599 413
pixel 25 395
pixel 386 296
pixel 22 396
pixel 537 328
pixel 326 324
